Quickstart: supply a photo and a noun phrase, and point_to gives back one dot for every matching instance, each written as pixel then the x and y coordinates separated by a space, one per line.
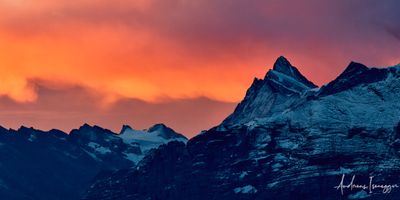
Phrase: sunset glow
pixel 163 51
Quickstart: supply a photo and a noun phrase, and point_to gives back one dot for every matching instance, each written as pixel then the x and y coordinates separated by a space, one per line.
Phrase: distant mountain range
pixel 53 165
pixel 288 139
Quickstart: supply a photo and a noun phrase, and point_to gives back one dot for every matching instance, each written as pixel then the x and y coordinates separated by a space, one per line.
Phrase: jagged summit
pixel 85 125
pixel 284 87
pixel 156 132
pixel 124 128
pixel 165 132
pixel 156 127
pixel 355 67
pixel 355 74
pixel 150 138
pixel 91 131
pixel 352 70
pixel 282 65
pixel 280 87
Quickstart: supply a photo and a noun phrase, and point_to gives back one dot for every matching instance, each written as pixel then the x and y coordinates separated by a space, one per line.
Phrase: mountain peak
pixel 355 74
pixel 165 132
pixel 281 85
pixel 85 125
pixel 87 130
pixel 156 127
pixel 354 67
pixel 24 128
pixel 283 66
pixel 124 128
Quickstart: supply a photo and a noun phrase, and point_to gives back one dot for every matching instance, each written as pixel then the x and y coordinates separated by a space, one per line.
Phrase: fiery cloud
pixel 158 50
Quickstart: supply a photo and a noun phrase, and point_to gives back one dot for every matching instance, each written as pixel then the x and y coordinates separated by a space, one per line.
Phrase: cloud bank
pixel 157 50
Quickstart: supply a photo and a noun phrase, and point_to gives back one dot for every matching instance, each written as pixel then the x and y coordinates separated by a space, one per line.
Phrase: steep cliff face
pixel 286 140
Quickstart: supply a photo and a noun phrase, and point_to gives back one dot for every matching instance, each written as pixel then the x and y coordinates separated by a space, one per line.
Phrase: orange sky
pixel 166 51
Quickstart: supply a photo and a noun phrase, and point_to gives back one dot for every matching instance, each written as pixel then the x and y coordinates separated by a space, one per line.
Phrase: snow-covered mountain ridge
pixel 282 98
pixel 287 140
pixel 55 165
